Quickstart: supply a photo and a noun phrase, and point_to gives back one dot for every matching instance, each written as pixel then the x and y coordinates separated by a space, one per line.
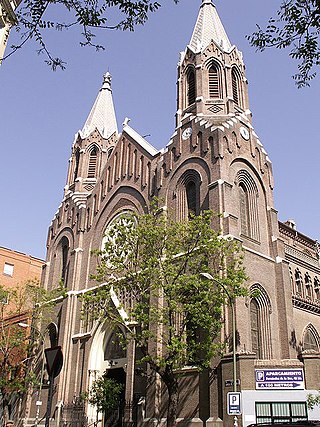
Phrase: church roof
pixel 208 27
pixel 102 115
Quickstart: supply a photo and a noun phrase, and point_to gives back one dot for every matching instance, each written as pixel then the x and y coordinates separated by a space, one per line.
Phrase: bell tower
pixel 211 72
pixel 94 143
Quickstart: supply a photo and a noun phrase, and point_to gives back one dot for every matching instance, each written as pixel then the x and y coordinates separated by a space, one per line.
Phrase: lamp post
pixel 231 299
pixel 38 403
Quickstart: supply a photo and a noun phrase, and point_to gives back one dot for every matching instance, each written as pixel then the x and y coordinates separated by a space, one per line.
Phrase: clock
pixel 186 133
pixel 244 133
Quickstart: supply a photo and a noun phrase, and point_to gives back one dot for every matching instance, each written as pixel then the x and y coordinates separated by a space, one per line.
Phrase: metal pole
pixel 234 334
pixel 39 403
pixel 49 403
pixel 234 352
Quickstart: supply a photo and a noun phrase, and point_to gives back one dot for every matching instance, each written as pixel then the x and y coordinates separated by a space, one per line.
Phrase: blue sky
pixel 41 110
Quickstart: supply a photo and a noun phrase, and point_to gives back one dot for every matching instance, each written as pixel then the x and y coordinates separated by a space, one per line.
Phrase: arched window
pixel 214 84
pixel 191 86
pixel 93 157
pixel 76 166
pixel 248 206
pixel 260 310
pixel 64 258
pixel 235 86
pixel 255 328
pixel 316 284
pixel 244 210
pixel 311 339
pixel 299 282
pixel 114 346
pixel 188 195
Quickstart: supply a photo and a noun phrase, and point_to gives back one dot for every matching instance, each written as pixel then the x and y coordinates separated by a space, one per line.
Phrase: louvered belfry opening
pixel 92 163
pixel 235 86
pixel 191 89
pixel 214 87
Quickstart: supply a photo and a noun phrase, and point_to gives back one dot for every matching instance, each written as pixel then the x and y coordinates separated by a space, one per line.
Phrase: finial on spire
pixel 106 81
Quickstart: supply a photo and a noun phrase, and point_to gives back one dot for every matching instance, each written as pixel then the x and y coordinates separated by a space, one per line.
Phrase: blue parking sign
pixel 234 403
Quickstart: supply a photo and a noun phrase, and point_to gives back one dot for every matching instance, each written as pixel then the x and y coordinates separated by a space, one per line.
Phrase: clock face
pixel 244 133
pixel 186 133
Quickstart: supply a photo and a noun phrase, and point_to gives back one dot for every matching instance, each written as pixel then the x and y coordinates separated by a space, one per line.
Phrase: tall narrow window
pixel 310 339
pixel 191 87
pixel 248 205
pixel 316 284
pixel 235 86
pixel 76 166
pixel 92 163
pixel 191 198
pixel 244 211
pixel 64 258
pixel 308 283
pixel 299 283
pixel 214 87
pixel 188 195
pixel 260 310
pixel 255 328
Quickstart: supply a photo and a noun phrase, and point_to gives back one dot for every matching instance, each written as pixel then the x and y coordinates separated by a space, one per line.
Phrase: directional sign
pixel 54 359
pixel 279 379
pixel 234 403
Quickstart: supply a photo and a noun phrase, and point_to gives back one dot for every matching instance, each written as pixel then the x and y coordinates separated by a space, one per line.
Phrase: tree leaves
pixel 34 20
pixel 297 28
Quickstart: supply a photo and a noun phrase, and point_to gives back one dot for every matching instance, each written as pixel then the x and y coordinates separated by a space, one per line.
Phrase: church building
pixel 216 161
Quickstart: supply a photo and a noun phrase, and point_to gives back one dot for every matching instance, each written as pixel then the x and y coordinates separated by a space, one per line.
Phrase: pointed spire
pixel 209 27
pixel 102 115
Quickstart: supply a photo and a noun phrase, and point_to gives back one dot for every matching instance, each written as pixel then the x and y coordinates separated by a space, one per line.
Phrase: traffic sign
pixel 234 403
pixel 54 359
pixel 279 379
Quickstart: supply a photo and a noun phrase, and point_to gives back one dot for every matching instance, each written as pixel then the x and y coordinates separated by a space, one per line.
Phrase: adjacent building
pixel 214 160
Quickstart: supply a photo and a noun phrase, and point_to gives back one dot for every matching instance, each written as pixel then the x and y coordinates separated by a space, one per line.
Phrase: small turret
pixel 94 142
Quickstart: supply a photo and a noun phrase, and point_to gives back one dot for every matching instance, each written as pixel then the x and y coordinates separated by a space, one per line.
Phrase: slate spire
pixel 208 27
pixel 102 115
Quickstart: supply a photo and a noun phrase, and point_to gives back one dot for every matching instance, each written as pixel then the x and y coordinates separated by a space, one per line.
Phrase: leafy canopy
pixel 18 351
pixel 153 289
pixel 36 17
pixel 104 393
pixel 296 27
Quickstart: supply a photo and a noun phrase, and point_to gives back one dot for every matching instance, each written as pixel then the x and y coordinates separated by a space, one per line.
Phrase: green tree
pixel 19 346
pixel 296 27
pixel 34 17
pixel 151 286
pixel 104 394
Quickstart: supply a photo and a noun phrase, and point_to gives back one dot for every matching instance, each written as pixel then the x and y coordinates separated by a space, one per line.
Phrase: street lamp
pixel 231 299
pixel 38 403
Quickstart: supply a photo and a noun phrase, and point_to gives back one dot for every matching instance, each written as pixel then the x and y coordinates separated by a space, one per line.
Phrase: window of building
pixel 114 346
pixel 308 283
pixel 260 310
pixel 316 284
pixel 280 412
pixel 214 86
pixel 244 211
pixel 64 258
pixel 188 195
pixel 255 328
pixel 4 297
pixel 248 205
pixel 235 86
pixel 76 166
pixel 93 157
pixel 311 339
pixel 8 269
pixel 191 87
pixel 299 282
